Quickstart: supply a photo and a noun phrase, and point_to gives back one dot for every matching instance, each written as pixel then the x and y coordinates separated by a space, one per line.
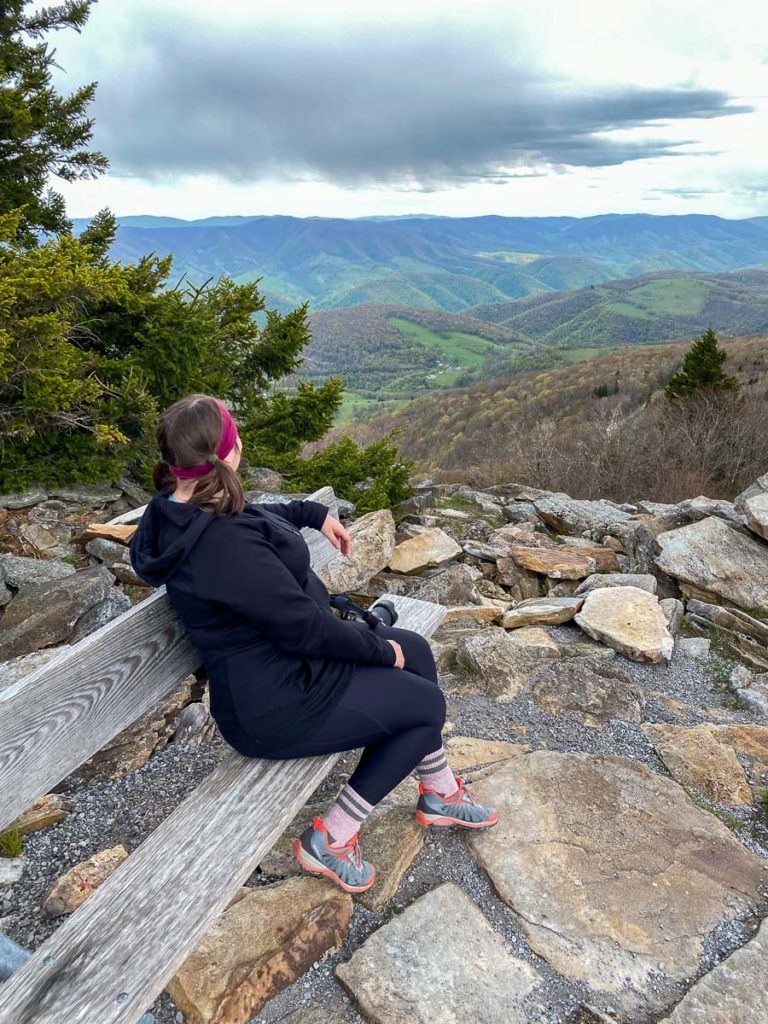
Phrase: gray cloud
pixel 383 108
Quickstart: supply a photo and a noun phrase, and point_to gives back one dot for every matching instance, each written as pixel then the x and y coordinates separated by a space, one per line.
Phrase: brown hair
pixel 187 434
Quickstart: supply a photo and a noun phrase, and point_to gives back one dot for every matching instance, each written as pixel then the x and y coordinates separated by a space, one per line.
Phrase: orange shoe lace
pixel 349 849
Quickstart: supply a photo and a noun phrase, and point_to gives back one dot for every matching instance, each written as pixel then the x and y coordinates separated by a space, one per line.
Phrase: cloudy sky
pixel 336 108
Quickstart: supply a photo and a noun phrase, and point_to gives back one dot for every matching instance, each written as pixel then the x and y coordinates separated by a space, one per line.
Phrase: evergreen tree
pixel 702 369
pixel 43 132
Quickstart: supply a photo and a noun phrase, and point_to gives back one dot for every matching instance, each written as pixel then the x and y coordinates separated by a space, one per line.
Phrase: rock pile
pixel 605 669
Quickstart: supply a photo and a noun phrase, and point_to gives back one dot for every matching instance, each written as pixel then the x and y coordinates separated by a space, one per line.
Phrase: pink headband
pixel 223 448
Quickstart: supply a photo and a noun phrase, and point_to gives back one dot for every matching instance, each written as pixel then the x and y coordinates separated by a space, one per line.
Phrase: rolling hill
pixel 390 354
pixel 439 263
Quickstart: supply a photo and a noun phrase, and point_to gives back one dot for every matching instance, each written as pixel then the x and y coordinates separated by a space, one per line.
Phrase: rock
pixel 629 620
pixel 714 557
pixel 194 726
pixel 373 539
pixel 488 611
pixel 386 583
pixel 756 511
pixel 569 515
pixel 468 752
pixel 561 588
pixel 133 747
pixel 17 668
pixel 45 811
pixel 558 563
pixel 138 495
pixel 522 583
pixel 113 605
pixel 594 689
pixel 733 619
pixel 76 885
pixel 116 557
pixel 46 613
pixel 19 571
pixel 433 547
pixel 392 840
pixel 259 946
pixel 673 611
pixel 11 870
pixel 697 757
pixel 701 507
pixel 106 531
pixel 548 610
pixel 498 663
pixel 734 992
pixel 485 550
pixel 441 961
pixel 453 585
pixel 23 499
pixel 695 647
pixel 612 871
pixel 618 579
pixel 42 540
pixel 86 494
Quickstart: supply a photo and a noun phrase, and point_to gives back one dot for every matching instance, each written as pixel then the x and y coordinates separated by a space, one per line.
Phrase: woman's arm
pixel 248 575
pixel 300 511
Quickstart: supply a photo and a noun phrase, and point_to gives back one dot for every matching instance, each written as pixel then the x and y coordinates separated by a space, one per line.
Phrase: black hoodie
pixel 277 657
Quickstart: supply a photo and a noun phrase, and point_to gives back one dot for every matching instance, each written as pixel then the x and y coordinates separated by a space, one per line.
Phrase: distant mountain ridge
pixel 439 263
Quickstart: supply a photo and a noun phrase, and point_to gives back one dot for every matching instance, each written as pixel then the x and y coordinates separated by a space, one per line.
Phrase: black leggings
pixel 396 714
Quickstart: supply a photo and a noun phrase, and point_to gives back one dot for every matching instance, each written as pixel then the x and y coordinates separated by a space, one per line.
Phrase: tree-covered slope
pixel 441 262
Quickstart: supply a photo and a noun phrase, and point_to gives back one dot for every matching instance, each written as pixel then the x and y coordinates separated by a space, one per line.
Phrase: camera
pixel 382 611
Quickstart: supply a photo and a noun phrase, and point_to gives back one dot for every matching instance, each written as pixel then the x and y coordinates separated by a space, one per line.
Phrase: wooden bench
pixel 109 960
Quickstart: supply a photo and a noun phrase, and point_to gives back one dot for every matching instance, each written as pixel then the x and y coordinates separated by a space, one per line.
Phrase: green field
pixel 460 349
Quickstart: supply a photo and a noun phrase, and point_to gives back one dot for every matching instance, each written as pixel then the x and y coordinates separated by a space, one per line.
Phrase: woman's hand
pixel 400 658
pixel 336 534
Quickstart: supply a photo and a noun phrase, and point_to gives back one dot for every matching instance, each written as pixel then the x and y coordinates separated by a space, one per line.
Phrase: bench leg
pixel 12 956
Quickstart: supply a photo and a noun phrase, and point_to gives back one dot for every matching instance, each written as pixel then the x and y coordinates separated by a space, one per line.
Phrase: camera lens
pixel 385 611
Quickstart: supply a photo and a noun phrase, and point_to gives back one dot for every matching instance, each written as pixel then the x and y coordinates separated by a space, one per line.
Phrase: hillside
pixel 651 307
pixel 439 262
pixel 390 354
pixel 592 425
pixel 386 351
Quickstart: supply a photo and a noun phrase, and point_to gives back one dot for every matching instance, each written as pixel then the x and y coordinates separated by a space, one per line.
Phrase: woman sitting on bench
pixel 288 678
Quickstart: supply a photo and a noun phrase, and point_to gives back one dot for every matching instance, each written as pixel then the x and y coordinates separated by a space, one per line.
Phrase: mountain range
pixel 438 263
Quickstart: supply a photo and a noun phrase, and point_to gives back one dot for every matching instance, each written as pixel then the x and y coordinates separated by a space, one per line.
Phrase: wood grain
pixel 112 957
pixel 58 716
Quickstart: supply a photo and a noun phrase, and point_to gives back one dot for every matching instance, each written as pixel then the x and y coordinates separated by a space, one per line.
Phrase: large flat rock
pixel 613 871
pixel 441 962
pixel 735 992
pixel 432 547
pixel 629 620
pixel 713 557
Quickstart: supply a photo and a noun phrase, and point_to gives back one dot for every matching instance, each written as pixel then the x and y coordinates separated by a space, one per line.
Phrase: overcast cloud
pixel 468 96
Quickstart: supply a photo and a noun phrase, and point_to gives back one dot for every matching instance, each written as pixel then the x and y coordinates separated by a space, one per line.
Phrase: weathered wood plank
pixel 58 716
pixel 112 957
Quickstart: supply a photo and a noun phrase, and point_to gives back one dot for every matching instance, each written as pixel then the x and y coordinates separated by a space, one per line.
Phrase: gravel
pixel 127 810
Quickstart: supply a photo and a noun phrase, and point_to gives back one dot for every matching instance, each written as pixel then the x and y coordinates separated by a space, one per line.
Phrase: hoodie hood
pixel 166 534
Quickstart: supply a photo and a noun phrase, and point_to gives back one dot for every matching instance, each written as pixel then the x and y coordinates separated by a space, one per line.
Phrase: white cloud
pixel 264 111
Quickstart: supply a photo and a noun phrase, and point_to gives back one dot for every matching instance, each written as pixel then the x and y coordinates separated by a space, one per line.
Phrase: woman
pixel 288 678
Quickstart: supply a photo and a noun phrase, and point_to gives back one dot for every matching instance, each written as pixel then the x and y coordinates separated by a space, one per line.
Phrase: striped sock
pixel 435 774
pixel 346 816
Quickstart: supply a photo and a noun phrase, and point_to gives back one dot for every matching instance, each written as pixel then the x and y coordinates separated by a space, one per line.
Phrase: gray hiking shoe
pixel 458 809
pixel 340 861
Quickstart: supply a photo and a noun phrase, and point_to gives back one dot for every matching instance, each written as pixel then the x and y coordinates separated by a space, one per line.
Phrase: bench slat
pixel 112 957
pixel 55 718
